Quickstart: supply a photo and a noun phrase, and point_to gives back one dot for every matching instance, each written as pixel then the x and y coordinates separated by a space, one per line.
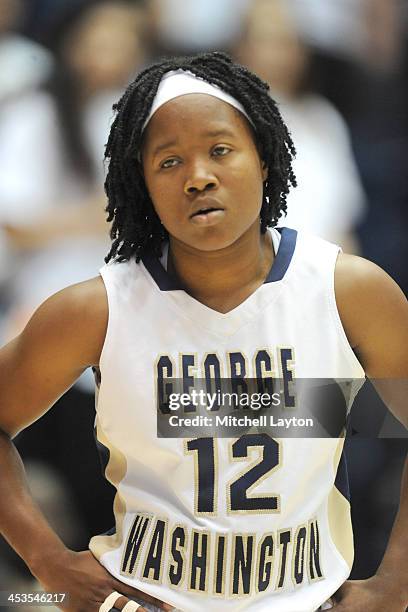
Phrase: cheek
pixel 247 180
pixel 165 202
pixel 156 191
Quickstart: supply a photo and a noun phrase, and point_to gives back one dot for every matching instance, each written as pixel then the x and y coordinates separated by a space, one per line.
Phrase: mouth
pixel 206 210
pixel 205 206
pixel 207 215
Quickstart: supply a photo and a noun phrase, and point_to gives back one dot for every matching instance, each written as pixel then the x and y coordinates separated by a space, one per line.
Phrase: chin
pixel 211 240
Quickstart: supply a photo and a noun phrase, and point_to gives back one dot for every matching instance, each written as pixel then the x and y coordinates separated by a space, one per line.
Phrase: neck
pixel 224 278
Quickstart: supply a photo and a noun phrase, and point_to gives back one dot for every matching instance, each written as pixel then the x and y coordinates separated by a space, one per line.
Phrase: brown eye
pixel 221 150
pixel 169 163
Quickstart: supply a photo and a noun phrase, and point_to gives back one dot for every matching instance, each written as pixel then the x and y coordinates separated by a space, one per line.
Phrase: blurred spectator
pixel 363 31
pixel 182 26
pixel 360 61
pixel 379 122
pixel 338 26
pixel 23 63
pixel 51 207
pixel 329 198
pixel 51 149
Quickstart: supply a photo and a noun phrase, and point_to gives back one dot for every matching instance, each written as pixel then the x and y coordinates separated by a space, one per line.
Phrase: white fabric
pixel 155 476
pixel 131 606
pixel 329 200
pixel 182 82
pixel 35 180
pixel 24 64
pixel 338 26
pixel 109 602
pixel 188 25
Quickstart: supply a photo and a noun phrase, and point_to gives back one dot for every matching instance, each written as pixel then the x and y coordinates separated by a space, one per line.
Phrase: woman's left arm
pixel 374 313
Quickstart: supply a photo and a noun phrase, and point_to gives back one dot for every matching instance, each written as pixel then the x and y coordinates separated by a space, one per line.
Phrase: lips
pixel 204 211
pixel 205 206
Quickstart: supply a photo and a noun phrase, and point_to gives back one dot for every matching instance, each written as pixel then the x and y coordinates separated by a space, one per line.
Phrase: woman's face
pixel 106 47
pixel 199 154
pixel 271 47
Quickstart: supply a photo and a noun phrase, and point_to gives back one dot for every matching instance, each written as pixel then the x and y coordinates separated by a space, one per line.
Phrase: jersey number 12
pixel 238 500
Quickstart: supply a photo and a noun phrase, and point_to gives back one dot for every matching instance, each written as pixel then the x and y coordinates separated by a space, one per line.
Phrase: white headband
pixel 181 82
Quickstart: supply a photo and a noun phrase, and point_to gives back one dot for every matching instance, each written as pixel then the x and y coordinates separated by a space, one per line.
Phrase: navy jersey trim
pixel 103 453
pixel 284 255
pixel 167 282
pixel 342 480
pixel 163 279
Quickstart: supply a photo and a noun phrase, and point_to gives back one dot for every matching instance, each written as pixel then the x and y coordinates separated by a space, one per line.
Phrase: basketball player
pixel 198 283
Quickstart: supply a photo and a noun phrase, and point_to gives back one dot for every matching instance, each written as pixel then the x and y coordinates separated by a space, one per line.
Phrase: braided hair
pixel 136 226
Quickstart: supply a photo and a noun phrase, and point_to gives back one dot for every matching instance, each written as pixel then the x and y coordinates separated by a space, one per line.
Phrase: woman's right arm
pixel 62 339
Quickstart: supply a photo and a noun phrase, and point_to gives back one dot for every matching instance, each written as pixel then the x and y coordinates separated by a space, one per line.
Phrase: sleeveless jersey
pixel 233 551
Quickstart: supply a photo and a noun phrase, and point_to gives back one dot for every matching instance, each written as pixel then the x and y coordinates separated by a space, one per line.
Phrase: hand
pixel 87 583
pixel 372 595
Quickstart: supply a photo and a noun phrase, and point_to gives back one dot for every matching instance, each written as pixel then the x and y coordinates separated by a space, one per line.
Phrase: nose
pixel 200 178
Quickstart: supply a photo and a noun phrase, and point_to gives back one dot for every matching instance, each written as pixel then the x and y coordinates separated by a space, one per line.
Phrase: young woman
pixel 198 284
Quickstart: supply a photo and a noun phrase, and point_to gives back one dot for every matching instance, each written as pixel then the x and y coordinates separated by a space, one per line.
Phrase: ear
pixel 265 171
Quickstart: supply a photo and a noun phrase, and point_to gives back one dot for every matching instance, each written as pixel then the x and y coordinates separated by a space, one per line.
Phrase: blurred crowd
pixel 338 70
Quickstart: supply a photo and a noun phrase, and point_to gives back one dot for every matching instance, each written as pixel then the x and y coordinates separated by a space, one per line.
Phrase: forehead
pixel 202 113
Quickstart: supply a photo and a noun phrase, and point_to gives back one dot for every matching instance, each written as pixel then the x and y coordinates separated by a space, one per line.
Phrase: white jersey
pixel 230 523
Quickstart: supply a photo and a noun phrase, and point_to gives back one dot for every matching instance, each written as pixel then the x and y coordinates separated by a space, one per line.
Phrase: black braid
pixel 136 225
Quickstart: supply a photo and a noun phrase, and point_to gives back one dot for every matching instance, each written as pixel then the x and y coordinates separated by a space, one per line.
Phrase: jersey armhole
pixel 104 357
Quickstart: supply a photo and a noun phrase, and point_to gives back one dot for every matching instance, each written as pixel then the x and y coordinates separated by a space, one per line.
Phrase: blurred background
pixel 339 72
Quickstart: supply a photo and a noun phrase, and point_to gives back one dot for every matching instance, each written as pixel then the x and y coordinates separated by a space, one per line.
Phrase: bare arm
pixel 374 312
pixel 78 219
pixel 36 368
pixel 62 339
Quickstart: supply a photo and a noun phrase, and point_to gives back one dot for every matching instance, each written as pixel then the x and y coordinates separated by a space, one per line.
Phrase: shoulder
pixel 85 295
pixel 372 307
pixel 77 315
pixel 64 336
pixel 362 282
